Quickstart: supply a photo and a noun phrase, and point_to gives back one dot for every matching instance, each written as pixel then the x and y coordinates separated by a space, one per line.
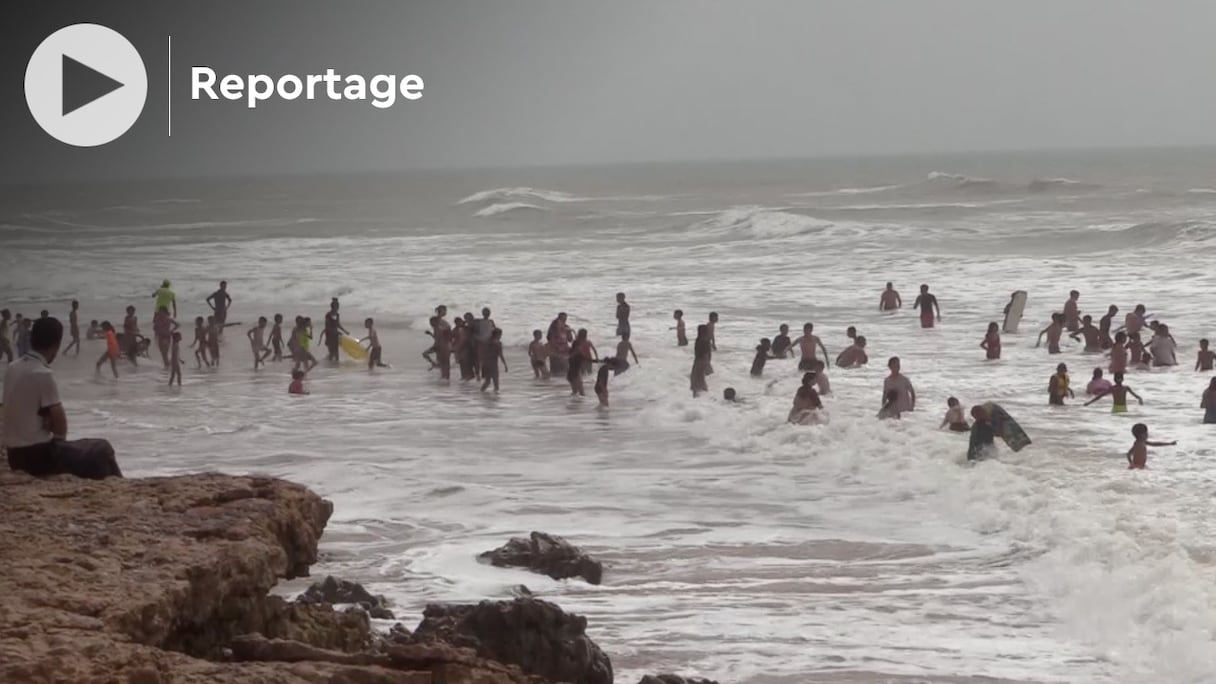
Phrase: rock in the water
pixel 546 554
pixel 521 591
pixel 673 679
pixel 332 590
pixel 166 581
pixel 536 635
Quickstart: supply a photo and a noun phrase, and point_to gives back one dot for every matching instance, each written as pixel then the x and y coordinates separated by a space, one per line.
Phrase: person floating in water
pixel 1057 386
pixel 1137 456
pixel 991 344
pixel 930 311
pixel 1118 394
pixel 954 417
pixel 729 395
pixel 890 299
pixel 1203 362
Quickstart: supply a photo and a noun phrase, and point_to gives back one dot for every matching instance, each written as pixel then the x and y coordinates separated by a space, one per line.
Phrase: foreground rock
pixel 535 635
pixel 546 554
pixel 165 580
pixel 332 590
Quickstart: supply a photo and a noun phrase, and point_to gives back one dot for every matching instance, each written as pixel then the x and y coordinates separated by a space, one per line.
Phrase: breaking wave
pixel 507 208
pixel 499 195
pixel 960 181
pixel 773 223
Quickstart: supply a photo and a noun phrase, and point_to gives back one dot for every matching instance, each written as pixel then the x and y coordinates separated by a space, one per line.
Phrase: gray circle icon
pixel 86 85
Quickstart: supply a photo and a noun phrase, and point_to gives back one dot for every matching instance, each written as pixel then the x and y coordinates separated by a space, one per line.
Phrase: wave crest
pixel 507 208
pixel 500 195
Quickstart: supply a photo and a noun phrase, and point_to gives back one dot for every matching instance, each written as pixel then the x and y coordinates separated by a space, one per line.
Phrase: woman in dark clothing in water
pixel 703 352
pixel 581 357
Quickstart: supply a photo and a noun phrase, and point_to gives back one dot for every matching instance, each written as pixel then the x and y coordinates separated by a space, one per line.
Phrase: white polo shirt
pixel 29 386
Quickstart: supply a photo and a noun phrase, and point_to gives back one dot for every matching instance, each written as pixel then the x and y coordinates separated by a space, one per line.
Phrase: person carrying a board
pixel 1137 456
pixel 983 435
pixel 930 312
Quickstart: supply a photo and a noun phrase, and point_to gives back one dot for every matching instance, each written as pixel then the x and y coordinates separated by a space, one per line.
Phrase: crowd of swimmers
pixel 475 346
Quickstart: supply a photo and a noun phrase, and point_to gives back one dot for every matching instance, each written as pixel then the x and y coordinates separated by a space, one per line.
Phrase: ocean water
pixel 737 546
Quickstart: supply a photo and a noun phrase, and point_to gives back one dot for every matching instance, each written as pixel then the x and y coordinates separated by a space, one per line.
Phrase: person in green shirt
pixel 165 298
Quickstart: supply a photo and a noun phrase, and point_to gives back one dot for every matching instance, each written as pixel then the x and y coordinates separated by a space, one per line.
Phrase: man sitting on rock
pixel 35 424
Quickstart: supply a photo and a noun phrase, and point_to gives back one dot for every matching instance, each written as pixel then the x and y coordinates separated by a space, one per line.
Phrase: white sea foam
pixel 507 208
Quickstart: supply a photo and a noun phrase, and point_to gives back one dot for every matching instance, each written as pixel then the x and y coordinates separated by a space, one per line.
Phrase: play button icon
pixel 86 85
pixel 82 85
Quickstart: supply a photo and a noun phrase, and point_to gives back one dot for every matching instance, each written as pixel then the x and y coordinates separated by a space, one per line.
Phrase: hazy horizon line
pixel 944 154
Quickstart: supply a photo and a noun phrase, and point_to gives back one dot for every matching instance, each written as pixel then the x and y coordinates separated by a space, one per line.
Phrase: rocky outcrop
pixel 546 554
pixel 332 590
pixel 166 580
pixel 536 635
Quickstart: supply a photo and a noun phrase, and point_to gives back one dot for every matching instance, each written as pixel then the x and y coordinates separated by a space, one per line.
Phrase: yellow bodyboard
pixel 352 348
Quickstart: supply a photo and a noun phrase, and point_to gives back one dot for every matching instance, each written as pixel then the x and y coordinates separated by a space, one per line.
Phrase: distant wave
pixel 1053 184
pixel 534 194
pixel 960 181
pixel 1154 233
pixel 848 191
pixel 507 208
pixel 1202 191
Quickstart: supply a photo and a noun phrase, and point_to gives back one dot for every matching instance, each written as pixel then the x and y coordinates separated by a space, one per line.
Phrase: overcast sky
pixel 532 82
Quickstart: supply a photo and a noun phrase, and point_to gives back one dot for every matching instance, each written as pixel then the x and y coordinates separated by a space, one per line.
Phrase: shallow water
pixel 737 546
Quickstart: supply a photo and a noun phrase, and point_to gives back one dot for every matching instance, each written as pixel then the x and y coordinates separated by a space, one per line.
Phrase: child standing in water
pixel 1204 361
pixel 1057 386
pixel 200 343
pixel 74 328
pixel 624 349
pixel 373 346
pixel 1097 385
pixel 257 342
pixel 297 383
pixel 821 377
pixel 681 333
pixel 276 337
pixel 1118 393
pixel 538 353
pixel 489 362
pixel 954 417
pixel 610 365
pixel 175 359
pixel 1118 353
pixel 1137 456
pixel 112 351
pixel 991 344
